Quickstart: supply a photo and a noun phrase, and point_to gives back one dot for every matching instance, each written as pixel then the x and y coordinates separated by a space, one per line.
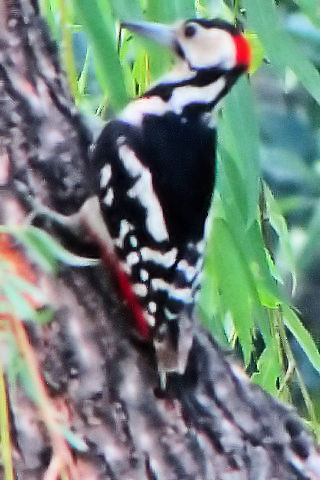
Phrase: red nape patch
pixel 141 323
pixel 243 56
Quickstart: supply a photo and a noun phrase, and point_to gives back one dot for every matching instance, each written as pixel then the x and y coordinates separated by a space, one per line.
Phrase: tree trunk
pixel 96 384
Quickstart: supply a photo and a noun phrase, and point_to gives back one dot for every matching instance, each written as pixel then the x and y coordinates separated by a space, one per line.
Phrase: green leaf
pixel 162 12
pixel 239 137
pixel 311 9
pixel 210 305
pixel 99 25
pixel 269 370
pixel 262 18
pixel 19 305
pixel 265 283
pixel 234 279
pixel 281 49
pixel 25 287
pixel 125 10
pixel 303 337
pixel 51 248
pixel 45 250
pixel 257 51
pixel 184 9
pixel 309 252
pixel 74 440
pixel 278 223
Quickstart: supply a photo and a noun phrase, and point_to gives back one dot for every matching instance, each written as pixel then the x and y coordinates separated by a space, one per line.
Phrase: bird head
pixel 202 44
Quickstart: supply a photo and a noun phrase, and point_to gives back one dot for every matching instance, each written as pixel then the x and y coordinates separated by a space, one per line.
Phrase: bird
pixel 154 173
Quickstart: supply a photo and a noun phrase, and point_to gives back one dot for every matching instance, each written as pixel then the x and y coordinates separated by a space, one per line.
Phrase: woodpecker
pixel 154 173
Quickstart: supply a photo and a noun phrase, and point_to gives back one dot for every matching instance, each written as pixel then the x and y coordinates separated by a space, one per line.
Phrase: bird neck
pixel 200 90
pixel 183 92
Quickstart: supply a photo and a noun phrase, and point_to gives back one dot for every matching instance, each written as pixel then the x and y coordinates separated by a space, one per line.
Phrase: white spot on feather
pixel 133 241
pixel 105 175
pixel 144 275
pixel 183 294
pixel 188 270
pixel 109 197
pixel 133 258
pixel 140 289
pixel 165 259
pixel 125 228
pixel 152 307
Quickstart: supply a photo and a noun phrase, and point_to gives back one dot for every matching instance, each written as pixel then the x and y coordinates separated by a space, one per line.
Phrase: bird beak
pixel 164 35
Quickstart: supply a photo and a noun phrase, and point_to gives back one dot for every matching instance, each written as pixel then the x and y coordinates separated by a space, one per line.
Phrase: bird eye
pixel 190 31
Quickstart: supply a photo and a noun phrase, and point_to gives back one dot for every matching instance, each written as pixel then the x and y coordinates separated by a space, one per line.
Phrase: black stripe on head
pixel 203 77
pixel 215 23
pixel 179 50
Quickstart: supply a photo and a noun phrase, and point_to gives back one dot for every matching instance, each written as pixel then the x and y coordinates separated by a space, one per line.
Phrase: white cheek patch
pixel 211 48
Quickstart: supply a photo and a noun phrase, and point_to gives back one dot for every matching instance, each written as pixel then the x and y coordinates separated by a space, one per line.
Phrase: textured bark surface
pixel 212 423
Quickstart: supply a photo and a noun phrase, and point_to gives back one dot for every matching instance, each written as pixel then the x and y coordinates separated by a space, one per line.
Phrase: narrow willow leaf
pixel 99 26
pixel 311 8
pixel 269 370
pixel 125 10
pixel 210 306
pixel 51 247
pixel 303 337
pixel 74 440
pixel 140 71
pixel 278 223
pixel 48 11
pixel 240 140
pixel 25 287
pixel 262 18
pixel 38 253
pixel 232 187
pixel 233 278
pixel 264 280
pixel 257 51
pixel 184 9
pixel 280 47
pixel 19 305
pixel 162 12
pixel 309 253
pixel 6 446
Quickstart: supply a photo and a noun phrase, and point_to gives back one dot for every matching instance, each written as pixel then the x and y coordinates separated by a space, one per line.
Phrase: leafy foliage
pixel 243 299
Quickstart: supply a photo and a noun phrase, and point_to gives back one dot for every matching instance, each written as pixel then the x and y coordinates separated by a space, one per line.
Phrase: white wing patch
pixel 105 175
pixel 109 197
pixel 143 190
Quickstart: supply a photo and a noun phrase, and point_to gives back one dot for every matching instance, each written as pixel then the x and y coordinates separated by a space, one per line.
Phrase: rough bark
pixel 212 423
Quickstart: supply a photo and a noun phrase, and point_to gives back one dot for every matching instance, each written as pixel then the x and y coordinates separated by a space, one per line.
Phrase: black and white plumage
pixel 155 172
